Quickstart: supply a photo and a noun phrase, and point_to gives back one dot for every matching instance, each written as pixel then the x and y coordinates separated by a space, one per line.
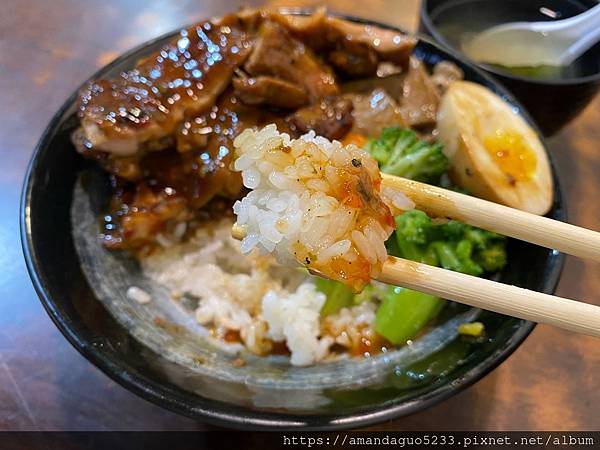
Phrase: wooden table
pixel 46 50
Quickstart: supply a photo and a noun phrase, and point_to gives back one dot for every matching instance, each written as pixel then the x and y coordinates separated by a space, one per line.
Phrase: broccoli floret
pixel 453 230
pixel 381 148
pixel 464 252
pixel 420 162
pixel 457 257
pixel 414 226
pixel 482 238
pixel 493 257
pixel 413 230
pixel 489 249
pixel 399 152
pixel 453 245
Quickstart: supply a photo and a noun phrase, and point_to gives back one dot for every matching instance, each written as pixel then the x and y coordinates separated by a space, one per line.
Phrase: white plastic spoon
pixel 530 44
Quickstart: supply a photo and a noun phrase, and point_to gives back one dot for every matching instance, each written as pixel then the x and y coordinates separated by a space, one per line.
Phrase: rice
pixel 350 325
pixel 245 296
pixel 295 319
pixel 313 202
pixel 397 201
pixel 138 295
pixel 253 299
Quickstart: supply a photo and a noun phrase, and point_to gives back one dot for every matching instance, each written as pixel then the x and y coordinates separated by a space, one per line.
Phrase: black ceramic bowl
pixel 81 286
pixel 552 102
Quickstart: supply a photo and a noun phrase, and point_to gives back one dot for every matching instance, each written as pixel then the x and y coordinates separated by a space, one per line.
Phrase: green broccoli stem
pixel 404 312
pixel 379 153
pixel 454 246
pixel 446 255
pixel 415 252
pixel 338 295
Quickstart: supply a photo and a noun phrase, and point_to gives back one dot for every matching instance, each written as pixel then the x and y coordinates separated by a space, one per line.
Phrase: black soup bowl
pixel 552 102
pixel 82 286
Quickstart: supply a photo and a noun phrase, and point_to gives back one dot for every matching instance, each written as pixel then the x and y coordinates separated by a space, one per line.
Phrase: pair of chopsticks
pixel 480 292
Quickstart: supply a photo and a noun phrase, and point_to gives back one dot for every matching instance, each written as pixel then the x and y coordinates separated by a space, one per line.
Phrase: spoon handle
pixel 586 31
pixel 579 25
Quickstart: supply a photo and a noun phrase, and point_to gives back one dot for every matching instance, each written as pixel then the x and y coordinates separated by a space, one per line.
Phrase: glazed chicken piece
pixel 141 109
pixel 354 59
pixel 177 183
pixel 164 129
pixel 375 111
pixel 420 97
pixel 331 118
pixel 388 45
pixel 353 49
pixel 269 91
pixel 215 130
pixel 277 54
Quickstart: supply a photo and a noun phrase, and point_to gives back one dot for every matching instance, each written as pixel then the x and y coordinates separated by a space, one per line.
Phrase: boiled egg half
pixel 493 152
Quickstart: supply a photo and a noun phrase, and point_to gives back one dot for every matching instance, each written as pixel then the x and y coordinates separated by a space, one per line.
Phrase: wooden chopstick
pixel 482 293
pixel 498 297
pixel 439 202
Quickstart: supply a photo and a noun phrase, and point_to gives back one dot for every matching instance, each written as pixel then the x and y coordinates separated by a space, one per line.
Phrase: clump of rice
pixel 397 201
pixel 313 202
pixel 295 319
pixel 350 325
pixel 250 296
pixel 138 295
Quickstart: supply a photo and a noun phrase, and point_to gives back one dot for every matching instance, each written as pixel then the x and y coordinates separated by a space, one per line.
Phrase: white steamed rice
pixel 263 302
pixel 295 209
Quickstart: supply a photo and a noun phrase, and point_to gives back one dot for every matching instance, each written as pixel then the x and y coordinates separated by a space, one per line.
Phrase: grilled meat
pixel 276 53
pixel 420 97
pixel 164 129
pixel 176 183
pixel 270 91
pixel 331 117
pixel 375 111
pixel 147 104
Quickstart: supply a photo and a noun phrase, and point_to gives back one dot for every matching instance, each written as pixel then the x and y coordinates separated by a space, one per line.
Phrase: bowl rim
pixel 425 18
pixel 239 417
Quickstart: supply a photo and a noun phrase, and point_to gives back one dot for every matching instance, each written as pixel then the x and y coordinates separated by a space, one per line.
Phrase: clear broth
pixel 459 21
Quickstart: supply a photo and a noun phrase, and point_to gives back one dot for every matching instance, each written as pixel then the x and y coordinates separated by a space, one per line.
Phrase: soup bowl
pixel 552 102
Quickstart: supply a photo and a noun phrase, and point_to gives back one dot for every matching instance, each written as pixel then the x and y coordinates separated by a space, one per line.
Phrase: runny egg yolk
pixel 512 155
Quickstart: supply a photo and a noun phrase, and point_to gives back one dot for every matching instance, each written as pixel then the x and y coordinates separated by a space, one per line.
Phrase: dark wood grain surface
pixel 47 49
